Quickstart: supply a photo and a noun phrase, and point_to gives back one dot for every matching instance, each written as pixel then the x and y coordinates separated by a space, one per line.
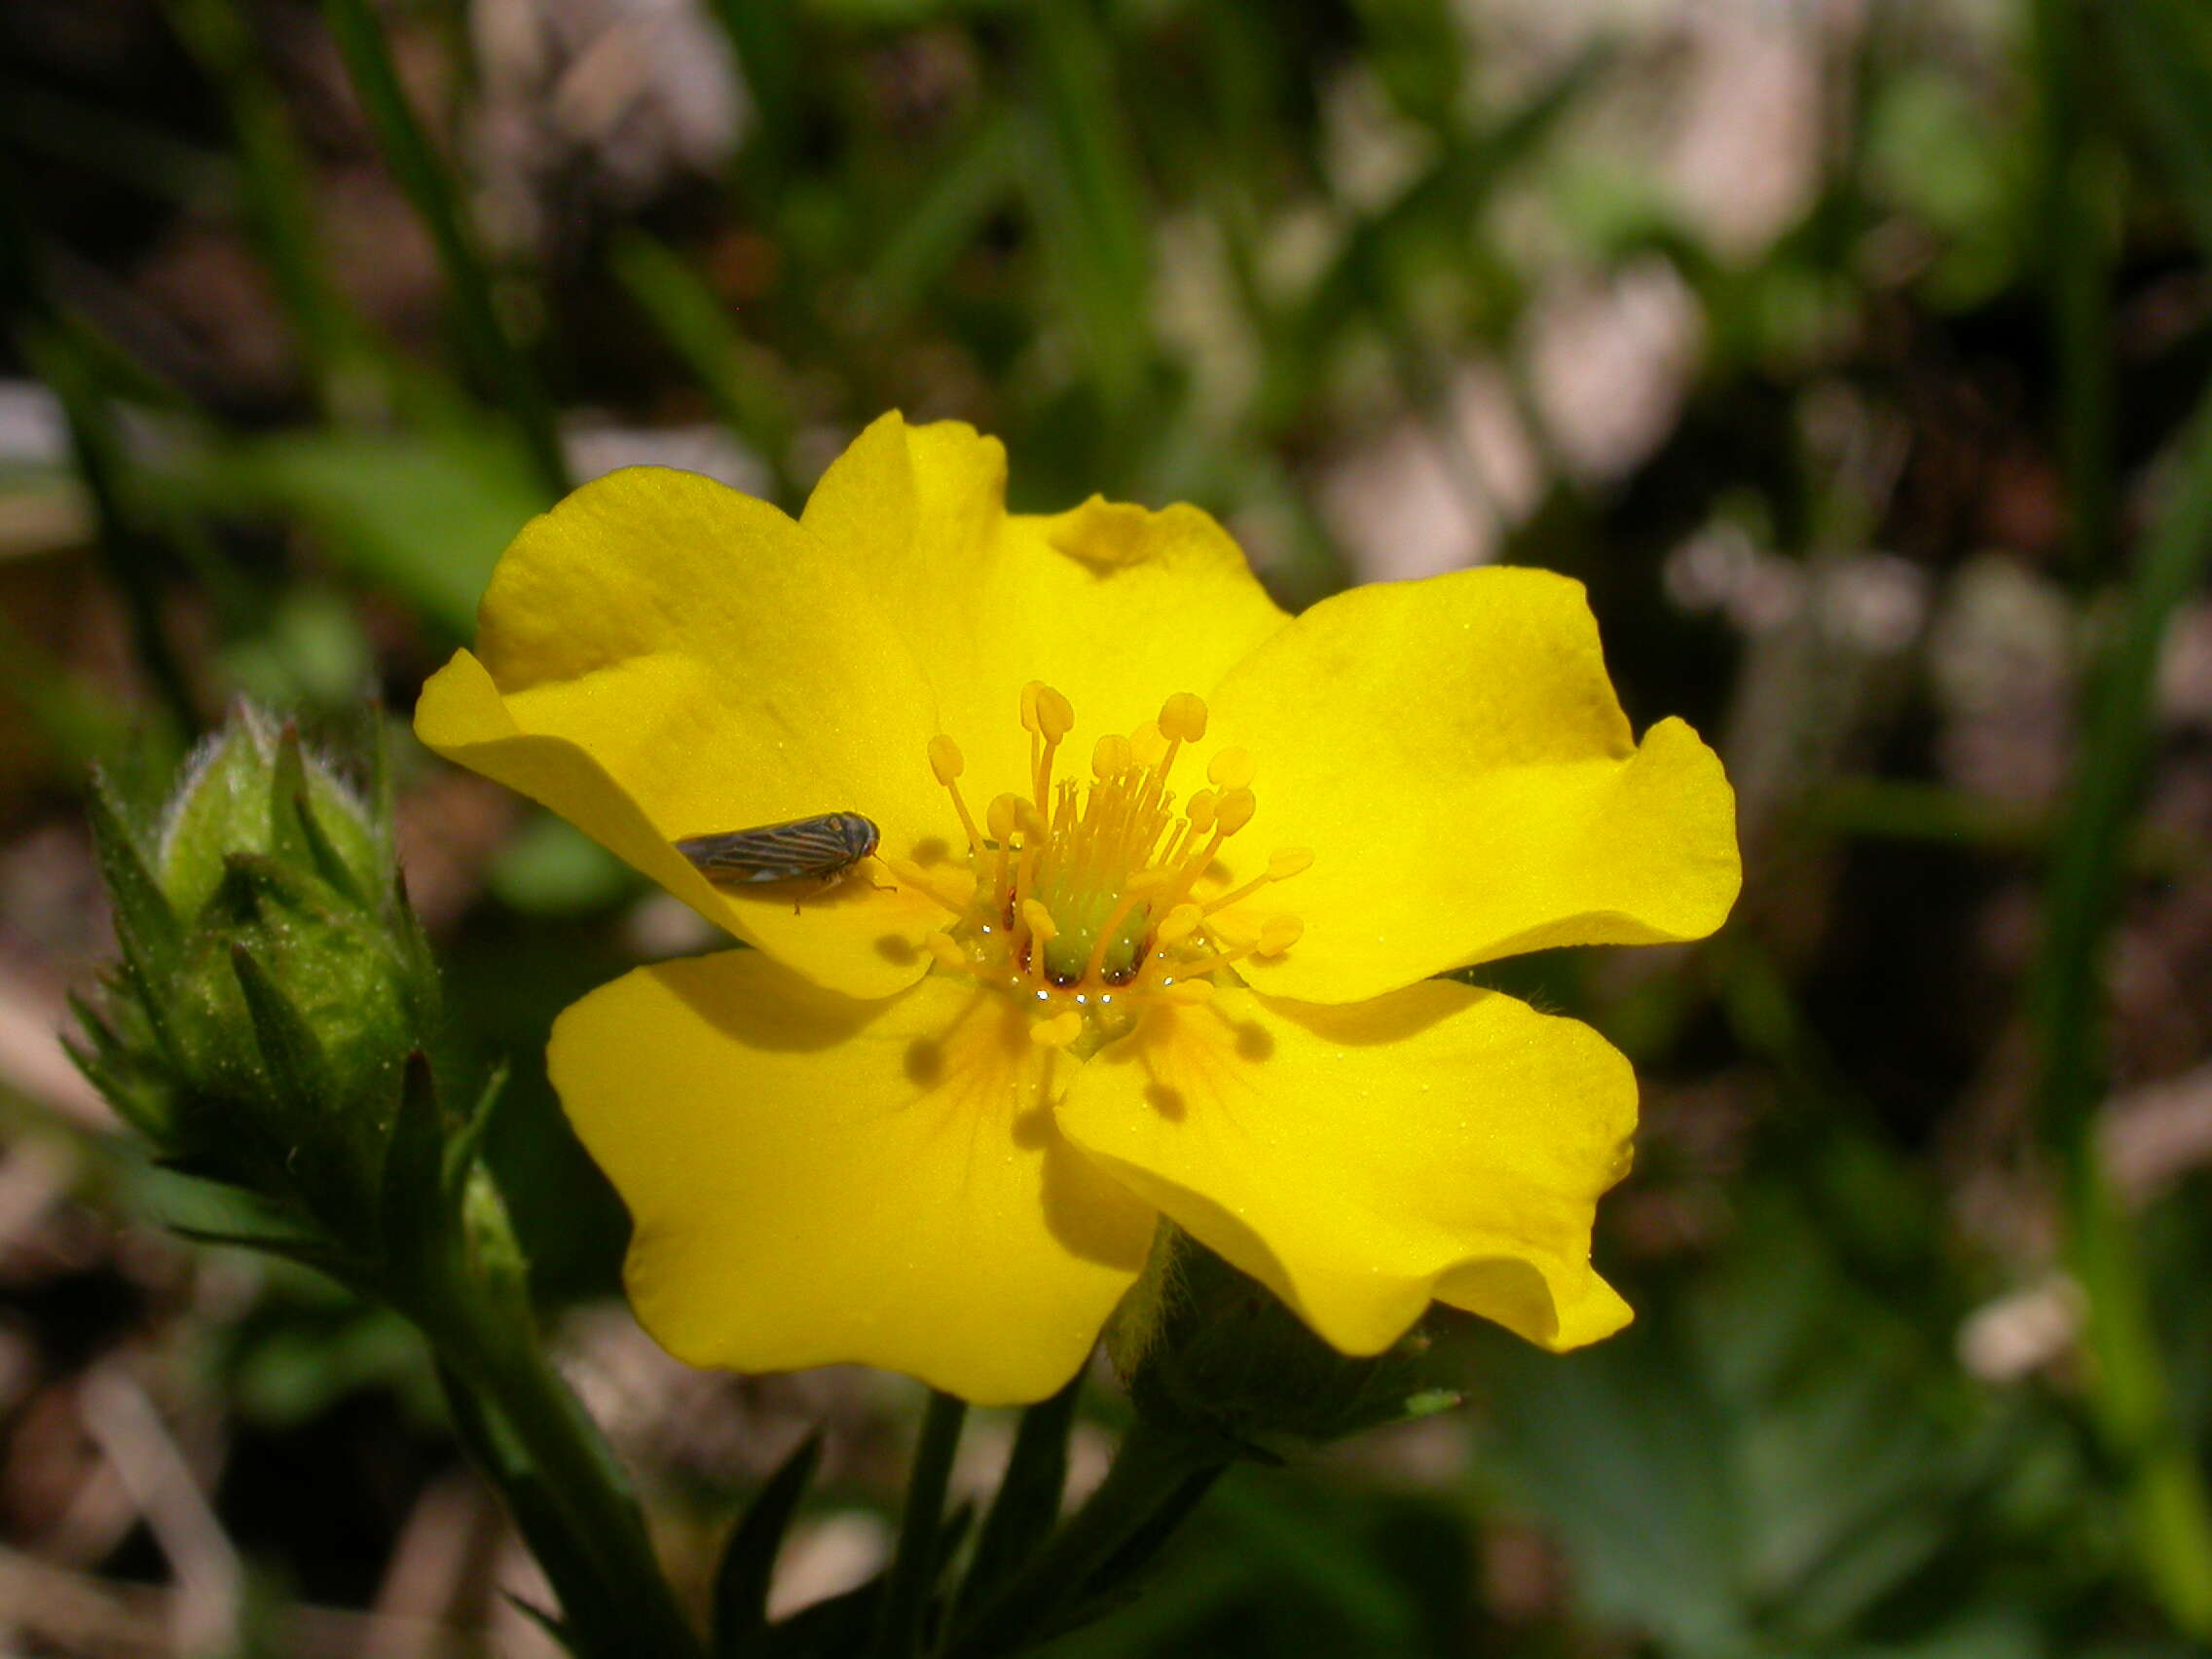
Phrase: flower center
pixel 1080 897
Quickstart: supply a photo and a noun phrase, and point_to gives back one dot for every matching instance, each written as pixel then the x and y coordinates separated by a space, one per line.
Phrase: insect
pixel 824 847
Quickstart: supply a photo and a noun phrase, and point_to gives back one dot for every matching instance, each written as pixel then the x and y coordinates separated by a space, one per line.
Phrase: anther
pixel 946 759
pixel 1001 817
pixel 1148 744
pixel 947 762
pixel 945 950
pixel 951 888
pixel 1183 718
pixel 1055 714
pixel 1178 925
pixel 1233 810
pixel 1110 758
pixel 1029 704
pixel 1059 1031
pixel 1233 769
pixel 1040 921
pixel 1277 933
pixel 1200 808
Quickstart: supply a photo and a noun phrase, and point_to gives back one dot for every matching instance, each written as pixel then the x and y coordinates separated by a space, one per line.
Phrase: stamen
pixel 1183 718
pixel 1233 769
pixel 1055 715
pixel 946 761
pixel 1282 863
pixel 956 890
pixel 1149 744
pixel 1178 925
pixel 1084 896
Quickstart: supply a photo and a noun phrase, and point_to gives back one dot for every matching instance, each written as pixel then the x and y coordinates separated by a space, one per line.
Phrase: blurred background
pixel 1848 350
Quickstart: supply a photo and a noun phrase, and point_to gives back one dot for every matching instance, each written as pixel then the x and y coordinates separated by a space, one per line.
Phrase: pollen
pixel 1086 897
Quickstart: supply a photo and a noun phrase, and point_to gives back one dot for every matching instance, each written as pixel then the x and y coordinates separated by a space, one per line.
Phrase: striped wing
pixel 804 847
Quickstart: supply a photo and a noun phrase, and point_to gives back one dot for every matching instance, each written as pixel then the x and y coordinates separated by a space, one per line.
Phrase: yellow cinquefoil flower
pixel 1165 876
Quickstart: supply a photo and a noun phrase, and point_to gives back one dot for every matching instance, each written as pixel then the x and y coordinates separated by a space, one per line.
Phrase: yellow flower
pixel 1170 952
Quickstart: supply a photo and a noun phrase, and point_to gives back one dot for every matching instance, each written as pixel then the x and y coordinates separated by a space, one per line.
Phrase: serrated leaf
pixel 749 1556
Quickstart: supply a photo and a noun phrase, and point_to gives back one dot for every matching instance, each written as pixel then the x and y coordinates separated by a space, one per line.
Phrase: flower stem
pixel 575 1508
pixel 1158 1475
pixel 915 1568
pixel 568 1495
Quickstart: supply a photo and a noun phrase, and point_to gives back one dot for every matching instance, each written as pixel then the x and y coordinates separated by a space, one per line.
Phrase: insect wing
pixel 791 851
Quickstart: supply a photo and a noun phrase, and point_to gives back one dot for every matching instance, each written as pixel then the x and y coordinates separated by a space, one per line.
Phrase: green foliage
pixel 1213 250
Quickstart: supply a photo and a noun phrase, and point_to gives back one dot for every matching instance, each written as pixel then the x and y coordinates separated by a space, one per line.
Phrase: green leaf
pixel 423 515
pixel 1083 186
pixel 950 208
pixel 749 1558
pixel 2165 54
pixel 1028 1500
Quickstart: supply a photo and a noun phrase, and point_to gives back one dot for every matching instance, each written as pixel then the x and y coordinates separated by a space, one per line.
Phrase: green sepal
pixel 464 1149
pixel 291 1054
pixel 146 927
pixel 749 1556
pixel 287 786
pixel 1223 1360
pixel 296 833
pixel 1028 1499
pixel 119 1073
pixel 326 1258
pixel 414 1221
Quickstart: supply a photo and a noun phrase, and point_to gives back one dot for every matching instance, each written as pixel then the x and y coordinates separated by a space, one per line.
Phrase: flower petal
pixel 662 657
pixel 1440 1142
pixel 1454 755
pixel 817 1180
pixel 1114 605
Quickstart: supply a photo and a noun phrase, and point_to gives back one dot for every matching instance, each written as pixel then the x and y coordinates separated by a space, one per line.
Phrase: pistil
pixel 1077 895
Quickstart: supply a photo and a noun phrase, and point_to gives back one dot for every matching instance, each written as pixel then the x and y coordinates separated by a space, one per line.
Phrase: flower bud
pixel 266 1025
